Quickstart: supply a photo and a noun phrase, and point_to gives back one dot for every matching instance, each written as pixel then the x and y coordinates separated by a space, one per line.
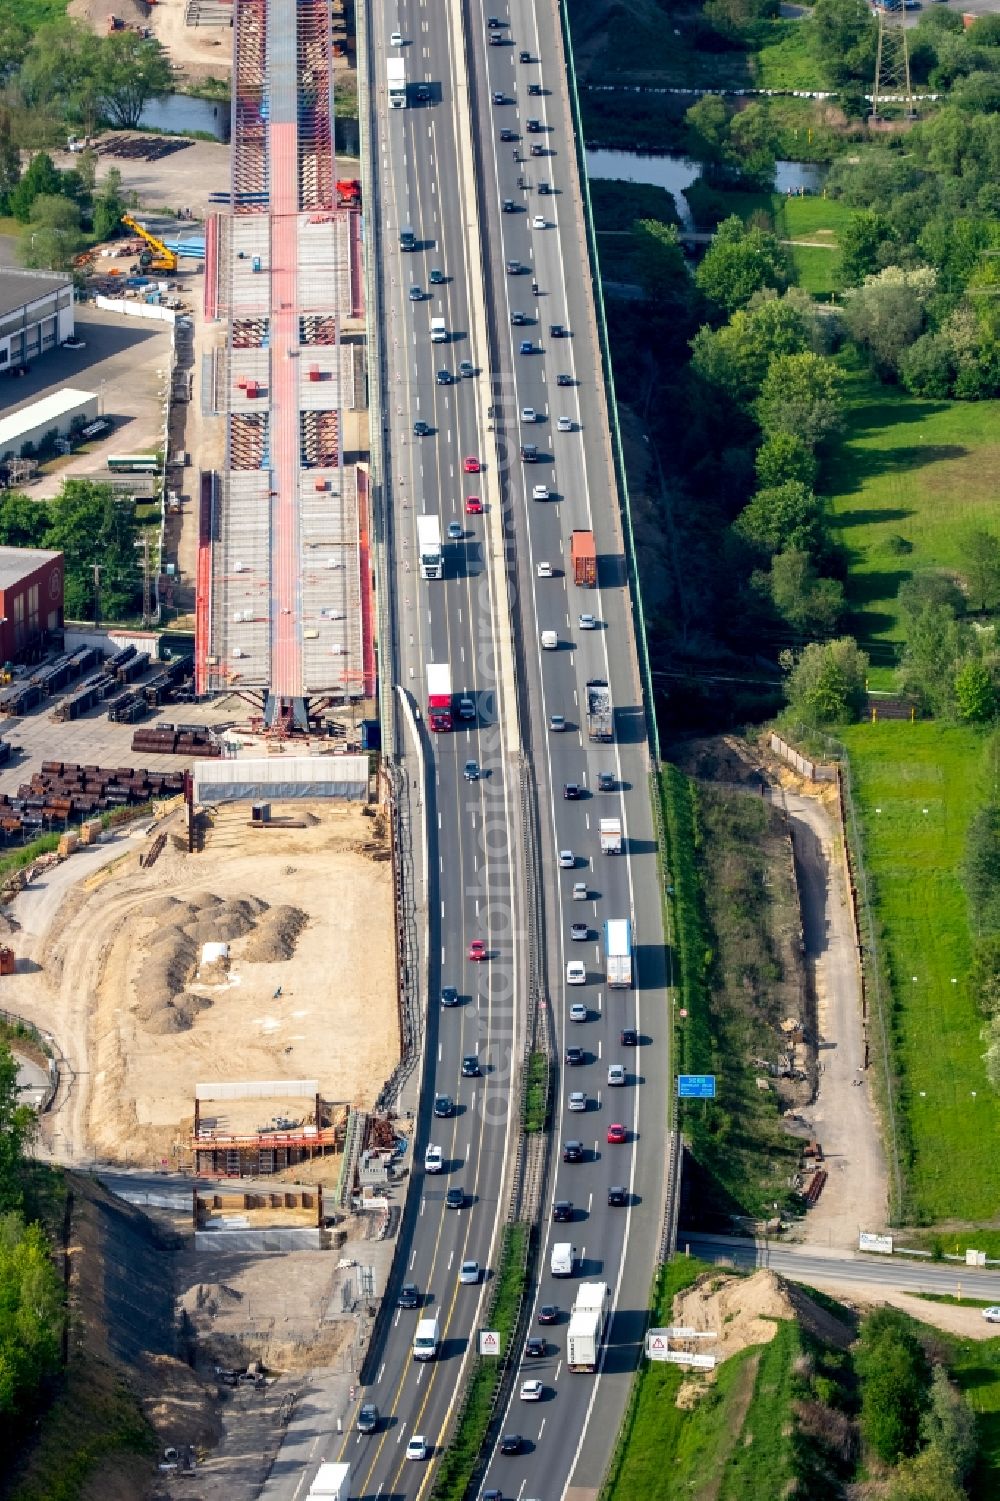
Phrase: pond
pixel 181 114
pixel 675 173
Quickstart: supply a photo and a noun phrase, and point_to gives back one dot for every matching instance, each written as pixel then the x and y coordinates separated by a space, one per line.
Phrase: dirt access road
pixel 842 1116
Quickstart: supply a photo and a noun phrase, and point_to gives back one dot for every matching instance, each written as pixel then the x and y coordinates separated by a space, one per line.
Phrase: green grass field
pixel 782 57
pixel 916 788
pixel 33 13
pixel 923 471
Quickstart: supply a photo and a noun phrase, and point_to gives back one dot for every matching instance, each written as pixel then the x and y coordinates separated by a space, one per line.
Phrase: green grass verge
pixel 782 56
pixel 916 787
pixel 95 1420
pixel 955 1302
pixel 955 1243
pixel 536 1094
pixel 32 13
pixel 18 859
pixel 923 471
pixel 454 1473
pixel 693 1052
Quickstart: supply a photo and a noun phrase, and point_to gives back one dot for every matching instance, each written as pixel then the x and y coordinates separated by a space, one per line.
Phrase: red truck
pixel 439 695
pixel 583 559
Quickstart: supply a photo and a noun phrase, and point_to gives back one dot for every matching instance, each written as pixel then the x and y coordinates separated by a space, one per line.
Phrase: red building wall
pixel 29 607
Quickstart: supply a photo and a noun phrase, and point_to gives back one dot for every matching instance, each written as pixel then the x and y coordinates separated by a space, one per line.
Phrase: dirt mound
pixel 200 899
pixel 204 1299
pixel 163 906
pixel 166 970
pixel 746 1311
pixel 175 1015
pixel 275 935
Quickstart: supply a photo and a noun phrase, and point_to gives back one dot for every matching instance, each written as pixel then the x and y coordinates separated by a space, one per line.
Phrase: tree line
pixel 90 525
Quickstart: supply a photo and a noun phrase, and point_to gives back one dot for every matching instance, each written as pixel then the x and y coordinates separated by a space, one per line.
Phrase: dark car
pixel 436 278
pixel 421 429
pixel 605 781
pixel 524 57
pixel 517 318
pixel 494 23
pixel 572 1151
pixel 557 331
pixel 534 88
pixel 408 1296
pixel 509 206
pixel 423 92
pixel 443 1106
pixel 571 792
pixel 466 368
pixel 617 1196
pixel 535 1347
pixel 449 995
pixel 579 931
pixel 548 1314
pixel 537 150
pixel 545 188
pixel 367 1417
pixel 574 1056
pixel 534 126
pixel 507 134
pixel 496 40
pixel 564 380
pixel 511 1443
pixel 562 1211
pixel 455 1198
pixel 470 1066
pixel 629 1037
pixel 499 98
pixel 444 377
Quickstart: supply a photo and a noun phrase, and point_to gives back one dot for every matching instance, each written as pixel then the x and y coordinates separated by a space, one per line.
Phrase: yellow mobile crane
pixel 158 257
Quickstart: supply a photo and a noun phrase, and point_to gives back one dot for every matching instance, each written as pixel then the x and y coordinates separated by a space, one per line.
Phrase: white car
pixel 587 623
pixel 564 424
pixel 544 570
pixel 549 641
pixel 469 1273
pixel 531 1391
pixel 567 859
pixel 417 1447
pixel 577 1100
pixel 396 39
pixel 528 414
pixel 616 1073
pixel 576 972
pixel 580 891
pixel 992 1315
pixel 539 492
pixel 578 1012
pixel 433 1161
pixel 557 723
pixel 538 222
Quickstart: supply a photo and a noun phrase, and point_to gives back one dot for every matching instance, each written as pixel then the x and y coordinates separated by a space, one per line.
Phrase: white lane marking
pixel 381 1373
pixel 558 1369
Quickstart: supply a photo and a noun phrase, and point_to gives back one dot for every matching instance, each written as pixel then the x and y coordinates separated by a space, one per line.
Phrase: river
pixel 180 114
pixel 675 173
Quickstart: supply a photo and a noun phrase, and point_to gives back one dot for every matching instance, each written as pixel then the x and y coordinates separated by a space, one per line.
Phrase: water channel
pixel 675 173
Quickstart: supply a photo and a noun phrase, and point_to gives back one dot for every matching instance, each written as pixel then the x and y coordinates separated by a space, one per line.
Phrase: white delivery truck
pixel 561 1259
pixel 429 547
pixel 332 1483
pixel 587 1323
pixel 618 952
pixel 396 70
pixel 427 1339
pixel 611 836
pixel 439 331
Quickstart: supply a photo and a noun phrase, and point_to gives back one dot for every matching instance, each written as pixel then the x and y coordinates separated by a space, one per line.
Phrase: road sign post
pixel 489 1342
pixel 696 1086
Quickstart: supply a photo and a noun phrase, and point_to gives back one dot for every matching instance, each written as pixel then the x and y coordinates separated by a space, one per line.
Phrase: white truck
pixel 611 836
pixel 561 1260
pixel 332 1483
pixel 587 1324
pixel 396 69
pixel 429 547
pixel 439 331
pixel 618 952
pixel 427 1339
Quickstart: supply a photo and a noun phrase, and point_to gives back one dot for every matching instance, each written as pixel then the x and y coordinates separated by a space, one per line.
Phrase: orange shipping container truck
pixel 583 559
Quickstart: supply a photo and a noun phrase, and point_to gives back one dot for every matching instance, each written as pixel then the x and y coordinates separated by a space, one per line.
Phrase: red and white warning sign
pixel 489 1342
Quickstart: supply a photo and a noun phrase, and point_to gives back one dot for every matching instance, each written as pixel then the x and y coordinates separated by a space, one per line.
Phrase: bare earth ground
pixel 85 940
pixel 196 51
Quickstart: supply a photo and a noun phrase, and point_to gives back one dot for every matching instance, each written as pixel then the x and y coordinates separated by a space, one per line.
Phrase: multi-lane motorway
pixel 442 169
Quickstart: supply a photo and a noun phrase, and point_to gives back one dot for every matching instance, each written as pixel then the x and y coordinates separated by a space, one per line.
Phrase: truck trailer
pixel 429 547
pixel 618 952
pixel 439 695
pixel 600 712
pixel 332 1483
pixel 396 70
pixel 427 1339
pixel 611 836
pixel 583 559
pixel 587 1324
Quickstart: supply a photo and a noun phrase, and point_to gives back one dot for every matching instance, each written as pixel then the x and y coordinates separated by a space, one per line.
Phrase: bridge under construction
pixel 284 606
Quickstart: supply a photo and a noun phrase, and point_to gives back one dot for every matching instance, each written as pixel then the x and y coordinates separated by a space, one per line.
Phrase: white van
pixel 439 331
pixel 561 1260
pixel 549 641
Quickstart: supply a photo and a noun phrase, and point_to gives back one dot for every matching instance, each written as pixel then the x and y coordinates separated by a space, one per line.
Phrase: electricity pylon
pixel 892 64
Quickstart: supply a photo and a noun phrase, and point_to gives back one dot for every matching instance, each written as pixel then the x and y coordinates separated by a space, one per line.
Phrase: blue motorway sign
pixel 696 1086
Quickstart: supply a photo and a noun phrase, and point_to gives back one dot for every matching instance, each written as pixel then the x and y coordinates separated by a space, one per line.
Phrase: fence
pixel 31 1033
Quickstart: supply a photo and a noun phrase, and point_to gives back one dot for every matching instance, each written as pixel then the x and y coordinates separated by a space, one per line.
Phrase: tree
pixel 783 457
pixel 981 868
pixel 926 1477
pixel 110 203
pixel 753 139
pixel 23 522
pixel 843 35
pixel 861 239
pixel 55 236
pixel 809 604
pixel 895 1378
pixel 738 263
pixel 827 682
pixel 780 517
pixel 927 368
pixel 975 693
pixel 659 261
pixel 924 589
pixel 981 554
pixel 984 974
pixel 801 395
pixel 949 1424
pixel 131 70
pixel 886 315
pixel 18 1124
pixel 90 525
pixel 41 178
pixel 708 122
pixel 936 644
pixel 736 357
pixel 31 1318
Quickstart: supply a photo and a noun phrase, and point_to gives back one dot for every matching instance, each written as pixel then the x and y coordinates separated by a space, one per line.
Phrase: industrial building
pixel 55 413
pixel 36 314
pixel 31 598
pixel 284 612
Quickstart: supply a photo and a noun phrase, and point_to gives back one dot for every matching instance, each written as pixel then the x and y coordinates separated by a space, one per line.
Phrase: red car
pixel 477 949
pixel 473 505
pixel 617 1134
pixel 471 466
